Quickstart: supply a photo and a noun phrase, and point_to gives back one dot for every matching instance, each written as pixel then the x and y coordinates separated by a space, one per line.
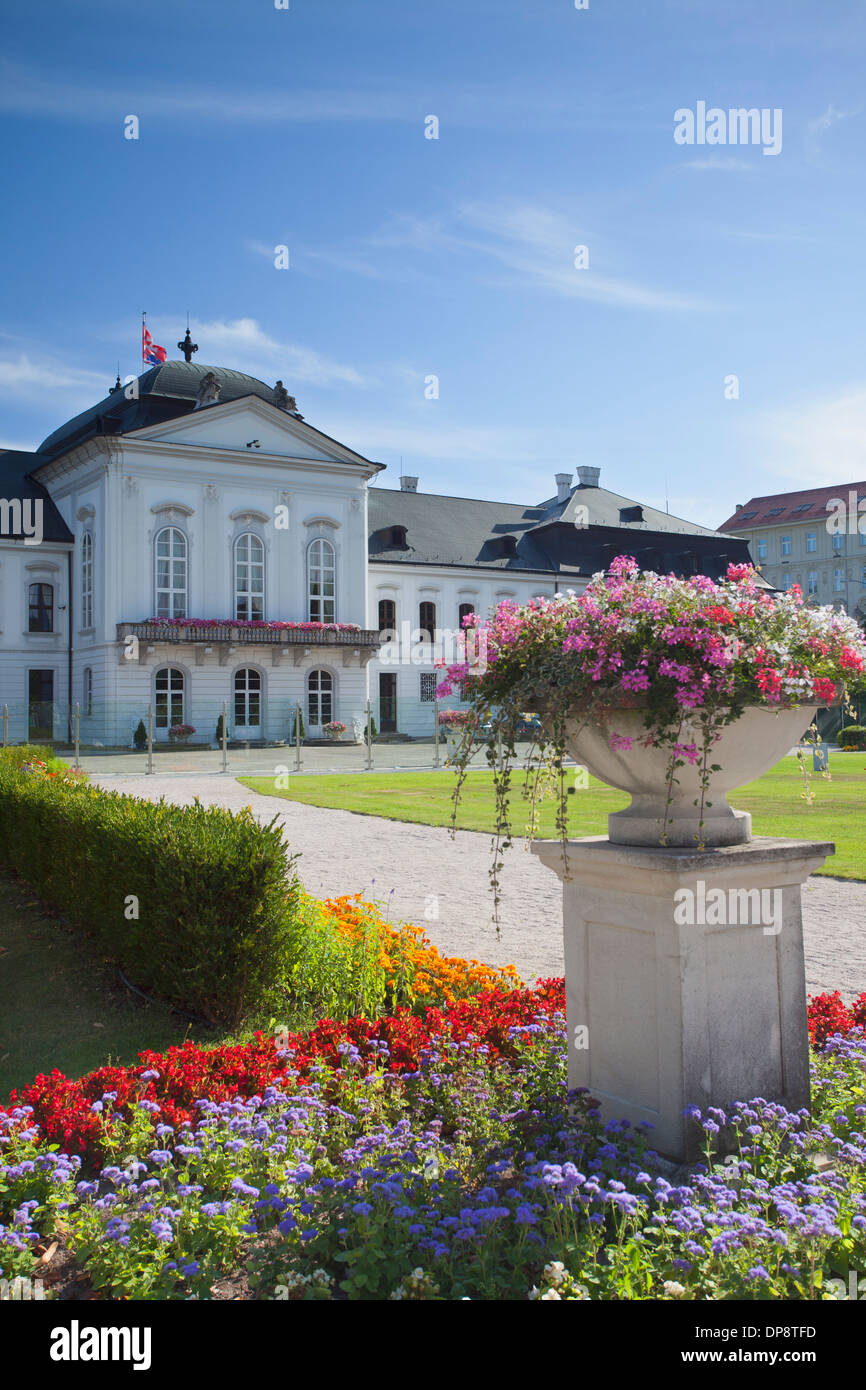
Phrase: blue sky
pixel 454 257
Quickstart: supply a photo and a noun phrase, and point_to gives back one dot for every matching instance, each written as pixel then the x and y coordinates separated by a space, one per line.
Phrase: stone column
pixel 685 978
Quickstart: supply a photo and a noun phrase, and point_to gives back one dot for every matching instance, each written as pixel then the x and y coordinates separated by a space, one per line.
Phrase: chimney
pixel 408 484
pixel 563 486
pixel 588 477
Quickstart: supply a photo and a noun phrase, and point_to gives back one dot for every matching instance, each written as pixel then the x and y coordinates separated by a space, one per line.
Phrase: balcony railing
pixel 248 636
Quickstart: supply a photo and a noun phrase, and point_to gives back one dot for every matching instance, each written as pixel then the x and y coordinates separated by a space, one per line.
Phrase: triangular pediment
pixel 237 423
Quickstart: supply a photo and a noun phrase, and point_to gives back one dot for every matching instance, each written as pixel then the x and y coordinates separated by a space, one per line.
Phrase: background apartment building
pixel 815 538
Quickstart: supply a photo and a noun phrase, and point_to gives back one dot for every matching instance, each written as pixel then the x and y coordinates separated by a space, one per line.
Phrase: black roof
pixel 164 393
pixel 16 466
pixel 423 528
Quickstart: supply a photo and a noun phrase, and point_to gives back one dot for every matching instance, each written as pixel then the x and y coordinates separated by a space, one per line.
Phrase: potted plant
pixel 453 722
pixel 334 730
pixel 675 690
pixel 180 733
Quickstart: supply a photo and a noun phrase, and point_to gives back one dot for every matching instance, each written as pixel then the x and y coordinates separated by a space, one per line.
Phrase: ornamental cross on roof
pixel 188 347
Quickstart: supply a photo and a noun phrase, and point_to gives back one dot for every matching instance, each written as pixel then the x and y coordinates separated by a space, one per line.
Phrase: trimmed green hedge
pixel 193 902
pixel 852 736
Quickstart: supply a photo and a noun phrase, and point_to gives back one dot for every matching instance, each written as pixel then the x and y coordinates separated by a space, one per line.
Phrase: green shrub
pixel 328 971
pixel 293 736
pixel 139 738
pixel 852 736
pixel 218 736
pixel 194 903
pixel 374 732
pixel 14 756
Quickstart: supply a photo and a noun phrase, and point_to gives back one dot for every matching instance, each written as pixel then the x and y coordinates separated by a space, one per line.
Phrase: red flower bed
pixel 827 1014
pixel 62 1107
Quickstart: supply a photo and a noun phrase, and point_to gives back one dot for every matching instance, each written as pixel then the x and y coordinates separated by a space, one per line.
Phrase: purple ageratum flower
pixel 162 1230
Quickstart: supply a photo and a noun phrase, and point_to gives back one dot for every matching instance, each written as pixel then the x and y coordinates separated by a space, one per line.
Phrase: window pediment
pixel 322 521
pixel 246 515
pixel 172 511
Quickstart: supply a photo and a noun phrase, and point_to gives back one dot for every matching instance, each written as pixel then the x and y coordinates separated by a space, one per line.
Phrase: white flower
pixel 672 1288
pixel 551 1294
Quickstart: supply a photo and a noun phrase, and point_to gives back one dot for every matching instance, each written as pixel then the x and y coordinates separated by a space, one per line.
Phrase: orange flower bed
pixel 416 971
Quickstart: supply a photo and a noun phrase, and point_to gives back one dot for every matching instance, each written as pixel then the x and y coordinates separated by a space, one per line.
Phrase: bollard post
pixel 149 739
pixel 77 763
pixel 225 739
pixel 369 739
pixel 297 737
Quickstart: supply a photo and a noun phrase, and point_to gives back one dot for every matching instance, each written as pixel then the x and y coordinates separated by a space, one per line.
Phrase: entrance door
pixel 388 702
pixel 40 722
pixel 248 703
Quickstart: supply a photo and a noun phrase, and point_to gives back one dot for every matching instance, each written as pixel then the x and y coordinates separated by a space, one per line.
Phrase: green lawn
pixel 61 1005
pixel 838 812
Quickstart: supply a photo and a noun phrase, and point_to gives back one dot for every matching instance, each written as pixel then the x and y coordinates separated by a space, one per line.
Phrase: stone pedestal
pixel 685 979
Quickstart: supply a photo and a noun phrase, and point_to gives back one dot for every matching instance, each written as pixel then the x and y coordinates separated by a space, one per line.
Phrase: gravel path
pixel 424 876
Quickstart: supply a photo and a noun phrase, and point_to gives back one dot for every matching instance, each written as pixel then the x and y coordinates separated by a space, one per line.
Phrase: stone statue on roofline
pixel 208 391
pixel 283 401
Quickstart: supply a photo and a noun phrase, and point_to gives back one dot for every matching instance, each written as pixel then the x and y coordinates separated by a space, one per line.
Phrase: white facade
pixel 194 482
pixel 410 660
pixel 232 509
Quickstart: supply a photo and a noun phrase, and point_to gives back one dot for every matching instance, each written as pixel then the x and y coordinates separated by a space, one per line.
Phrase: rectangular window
pixel 761 544
pixel 838 579
pixel 86 580
pixel 427 619
pixel 41 608
pixel 838 540
pixel 813 582
pixel 786 545
pixel 811 541
pixel 429 681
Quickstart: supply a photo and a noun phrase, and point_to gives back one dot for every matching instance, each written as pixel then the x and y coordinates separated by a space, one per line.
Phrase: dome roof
pixel 164 392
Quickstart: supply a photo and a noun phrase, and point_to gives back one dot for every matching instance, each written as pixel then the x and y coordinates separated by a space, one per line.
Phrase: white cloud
pixel 821 442
pixel 817 128
pixel 244 344
pixel 537 247
pixel 722 164
pixel 30 377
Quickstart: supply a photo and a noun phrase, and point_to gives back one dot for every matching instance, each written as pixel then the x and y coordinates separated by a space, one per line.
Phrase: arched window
pixel 321 580
pixel 427 619
pixel 41 608
pixel 320 697
pixel 87 580
pixel 463 611
pixel 87 692
pixel 248 698
pixel 169 697
pixel 171 573
pixel 249 578
pixel 387 615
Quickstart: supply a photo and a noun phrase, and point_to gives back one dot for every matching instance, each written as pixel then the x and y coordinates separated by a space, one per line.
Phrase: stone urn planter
pixel 746 749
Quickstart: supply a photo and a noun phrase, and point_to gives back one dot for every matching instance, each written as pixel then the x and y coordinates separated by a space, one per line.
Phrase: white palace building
pixel 191 541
